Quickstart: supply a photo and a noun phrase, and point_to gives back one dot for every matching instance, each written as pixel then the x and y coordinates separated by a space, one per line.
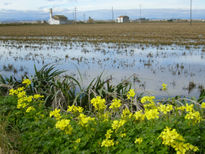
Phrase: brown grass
pixel 151 33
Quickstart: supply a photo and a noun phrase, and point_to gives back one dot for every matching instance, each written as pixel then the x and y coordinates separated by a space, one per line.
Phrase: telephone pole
pixel 112 14
pixel 84 17
pixel 190 12
pixel 75 14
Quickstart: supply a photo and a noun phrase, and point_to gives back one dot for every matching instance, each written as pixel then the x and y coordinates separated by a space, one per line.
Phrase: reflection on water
pixel 147 66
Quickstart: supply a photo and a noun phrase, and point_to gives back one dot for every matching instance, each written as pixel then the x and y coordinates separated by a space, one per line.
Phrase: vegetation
pixel 149 33
pixel 52 114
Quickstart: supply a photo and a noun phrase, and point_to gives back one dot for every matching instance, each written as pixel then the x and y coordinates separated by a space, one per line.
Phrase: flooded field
pixel 182 68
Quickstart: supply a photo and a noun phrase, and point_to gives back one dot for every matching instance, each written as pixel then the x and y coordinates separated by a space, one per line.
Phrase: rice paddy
pixel 145 65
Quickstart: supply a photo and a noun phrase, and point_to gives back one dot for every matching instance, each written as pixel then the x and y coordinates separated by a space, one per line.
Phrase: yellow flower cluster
pixel 27 82
pixel 176 141
pixel 189 108
pixel 30 108
pixel 131 93
pixel 149 99
pixel 64 125
pixel 24 100
pixel 164 86
pixel 181 108
pixel 78 140
pixel 194 115
pixel 75 109
pixel 108 134
pixel 117 124
pixel 165 108
pixel 138 140
pixel 107 143
pixel 83 120
pixel 126 113
pixel 139 115
pixel 56 114
pixel 203 105
pixel 152 114
pixel 116 103
pixel 98 103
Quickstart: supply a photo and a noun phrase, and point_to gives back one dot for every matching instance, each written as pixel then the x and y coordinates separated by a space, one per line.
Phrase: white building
pixel 57 19
pixel 123 19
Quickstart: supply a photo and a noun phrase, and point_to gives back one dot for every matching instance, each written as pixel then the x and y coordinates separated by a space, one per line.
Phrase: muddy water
pixel 181 68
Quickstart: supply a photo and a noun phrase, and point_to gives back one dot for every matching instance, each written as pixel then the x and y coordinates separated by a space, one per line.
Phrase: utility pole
pixel 84 17
pixel 75 14
pixel 190 12
pixel 112 15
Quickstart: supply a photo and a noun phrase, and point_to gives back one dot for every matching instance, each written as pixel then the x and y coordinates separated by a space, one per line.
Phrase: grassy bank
pixel 150 33
pixel 45 114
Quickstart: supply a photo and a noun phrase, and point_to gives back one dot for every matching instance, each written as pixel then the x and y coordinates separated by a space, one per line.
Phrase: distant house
pixel 123 19
pixel 57 19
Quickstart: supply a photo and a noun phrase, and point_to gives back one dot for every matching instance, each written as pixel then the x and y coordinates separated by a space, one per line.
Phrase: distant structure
pixel 57 19
pixel 123 19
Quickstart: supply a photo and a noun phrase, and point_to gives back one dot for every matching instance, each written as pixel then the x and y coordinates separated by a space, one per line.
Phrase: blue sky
pixel 97 4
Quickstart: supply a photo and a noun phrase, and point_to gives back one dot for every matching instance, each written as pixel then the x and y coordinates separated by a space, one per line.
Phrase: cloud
pixel 7 4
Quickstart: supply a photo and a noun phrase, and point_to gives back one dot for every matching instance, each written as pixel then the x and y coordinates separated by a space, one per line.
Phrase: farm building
pixel 57 19
pixel 122 19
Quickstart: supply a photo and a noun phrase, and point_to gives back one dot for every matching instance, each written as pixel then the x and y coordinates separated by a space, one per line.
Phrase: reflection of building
pixel 122 19
pixel 57 19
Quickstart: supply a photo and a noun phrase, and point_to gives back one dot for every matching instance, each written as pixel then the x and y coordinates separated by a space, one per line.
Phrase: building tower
pixel 51 13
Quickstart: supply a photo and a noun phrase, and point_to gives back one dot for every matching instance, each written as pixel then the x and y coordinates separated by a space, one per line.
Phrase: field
pixel 151 33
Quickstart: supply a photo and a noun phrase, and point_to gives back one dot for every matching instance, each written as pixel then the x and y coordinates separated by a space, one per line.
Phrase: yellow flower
pixel 195 115
pixel 56 114
pixel 152 114
pixel 139 115
pixel 165 108
pixel 189 108
pixel 115 104
pixel 21 94
pixel 117 124
pixel 108 134
pixel 28 99
pixel 29 109
pixel 78 140
pixel 75 109
pixel 126 113
pixel 26 81
pixel 203 105
pixel 123 134
pixel 98 103
pixel 149 99
pixel 176 141
pixel 164 86
pixel 64 125
pixel 131 93
pixel 182 108
pixel 83 120
pixel 37 96
pixel 138 140
pixel 107 143
pixel 13 92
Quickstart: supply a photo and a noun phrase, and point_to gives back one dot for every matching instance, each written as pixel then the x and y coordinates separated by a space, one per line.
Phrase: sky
pixel 85 5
